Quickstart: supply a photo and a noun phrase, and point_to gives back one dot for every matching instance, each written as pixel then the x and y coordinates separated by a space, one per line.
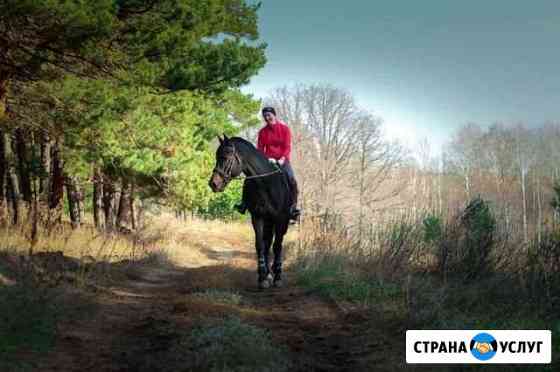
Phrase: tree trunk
pixel 132 216
pixel 3 94
pixel 539 211
pixel 73 197
pixel 108 206
pixel 12 185
pixel 524 195
pixel 97 198
pixel 123 215
pixel 45 163
pixel 20 150
pixel 56 187
pixel 3 169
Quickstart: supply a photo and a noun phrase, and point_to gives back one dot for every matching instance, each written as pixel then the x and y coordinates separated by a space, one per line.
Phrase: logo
pixel 483 346
pixel 478 346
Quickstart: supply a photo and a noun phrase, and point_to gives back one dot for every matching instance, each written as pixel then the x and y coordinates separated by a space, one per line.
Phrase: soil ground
pixel 135 320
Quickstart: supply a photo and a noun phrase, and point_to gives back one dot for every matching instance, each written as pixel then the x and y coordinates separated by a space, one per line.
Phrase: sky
pixel 426 67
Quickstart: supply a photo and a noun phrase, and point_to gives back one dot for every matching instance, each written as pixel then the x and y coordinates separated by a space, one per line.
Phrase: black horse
pixel 267 197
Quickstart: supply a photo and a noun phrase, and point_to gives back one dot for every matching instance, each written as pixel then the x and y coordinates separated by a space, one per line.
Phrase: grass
pixel 231 345
pixel 401 269
pixel 220 296
pixel 28 323
pixel 334 278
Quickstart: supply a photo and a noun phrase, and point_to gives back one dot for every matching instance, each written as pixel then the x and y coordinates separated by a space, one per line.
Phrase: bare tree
pixel 376 160
pixel 464 154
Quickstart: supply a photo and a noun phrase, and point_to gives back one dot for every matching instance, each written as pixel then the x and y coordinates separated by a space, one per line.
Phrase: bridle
pixel 231 161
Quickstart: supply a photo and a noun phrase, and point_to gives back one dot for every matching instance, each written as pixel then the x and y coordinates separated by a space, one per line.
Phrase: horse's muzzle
pixel 216 183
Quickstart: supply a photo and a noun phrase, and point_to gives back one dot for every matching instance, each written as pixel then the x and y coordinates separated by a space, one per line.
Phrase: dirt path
pixel 135 324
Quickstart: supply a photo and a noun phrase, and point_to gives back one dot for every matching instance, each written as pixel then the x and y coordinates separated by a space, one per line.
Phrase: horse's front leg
pixel 268 235
pixel 262 264
pixel 280 231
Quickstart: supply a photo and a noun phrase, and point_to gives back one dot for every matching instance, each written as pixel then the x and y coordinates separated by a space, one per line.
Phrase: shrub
pixel 432 228
pixel 468 240
pixel 221 205
pixel 232 345
pixel 543 269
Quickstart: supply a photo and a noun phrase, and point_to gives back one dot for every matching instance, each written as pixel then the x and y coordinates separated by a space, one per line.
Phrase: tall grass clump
pixel 231 345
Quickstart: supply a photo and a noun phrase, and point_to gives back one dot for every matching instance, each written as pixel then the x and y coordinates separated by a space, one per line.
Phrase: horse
pixel 268 200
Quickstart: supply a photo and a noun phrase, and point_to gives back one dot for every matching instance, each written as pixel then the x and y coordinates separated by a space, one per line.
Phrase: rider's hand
pixel 281 161
pixel 272 160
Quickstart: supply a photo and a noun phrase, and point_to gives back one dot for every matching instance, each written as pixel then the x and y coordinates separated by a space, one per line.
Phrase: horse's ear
pixel 226 137
pixel 220 139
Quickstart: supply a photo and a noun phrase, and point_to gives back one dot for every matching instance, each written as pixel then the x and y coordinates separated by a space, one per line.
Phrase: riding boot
pixel 242 206
pixel 294 211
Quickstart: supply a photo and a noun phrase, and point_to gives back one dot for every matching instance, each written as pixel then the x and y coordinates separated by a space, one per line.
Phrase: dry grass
pixel 186 243
pixel 195 242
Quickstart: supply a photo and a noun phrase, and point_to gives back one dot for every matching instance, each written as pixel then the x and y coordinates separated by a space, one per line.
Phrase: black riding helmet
pixel 269 109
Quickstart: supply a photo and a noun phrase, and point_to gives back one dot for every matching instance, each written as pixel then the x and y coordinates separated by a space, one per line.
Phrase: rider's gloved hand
pixel 272 160
pixel 281 161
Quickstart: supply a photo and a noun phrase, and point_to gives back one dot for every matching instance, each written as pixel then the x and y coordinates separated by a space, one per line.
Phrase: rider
pixel 275 142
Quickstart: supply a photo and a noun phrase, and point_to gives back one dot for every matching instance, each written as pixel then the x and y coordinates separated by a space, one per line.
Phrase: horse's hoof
pixel 278 284
pixel 265 284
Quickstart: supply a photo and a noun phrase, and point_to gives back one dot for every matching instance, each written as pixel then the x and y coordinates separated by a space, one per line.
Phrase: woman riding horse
pixel 275 142
pixel 267 197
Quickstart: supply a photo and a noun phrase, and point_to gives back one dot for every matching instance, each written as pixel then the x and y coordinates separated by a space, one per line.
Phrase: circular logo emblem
pixel 483 346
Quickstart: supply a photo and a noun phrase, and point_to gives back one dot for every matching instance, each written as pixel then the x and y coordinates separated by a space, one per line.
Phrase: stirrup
pixel 294 214
pixel 241 208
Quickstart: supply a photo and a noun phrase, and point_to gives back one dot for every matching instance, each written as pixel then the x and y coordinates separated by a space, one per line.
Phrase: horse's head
pixel 228 165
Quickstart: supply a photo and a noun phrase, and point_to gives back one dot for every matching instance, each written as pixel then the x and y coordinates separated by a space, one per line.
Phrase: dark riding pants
pixel 292 179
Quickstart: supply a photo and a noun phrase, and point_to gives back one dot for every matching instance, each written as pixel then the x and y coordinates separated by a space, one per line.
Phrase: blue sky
pixel 426 67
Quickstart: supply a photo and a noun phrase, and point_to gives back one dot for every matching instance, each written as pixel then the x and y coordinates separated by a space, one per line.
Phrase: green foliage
pixel 542 274
pixel 467 243
pixel 162 142
pixel 138 89
pixel 480 228
pixel 232 345
pixel 432 228
pixel 221 205
pixel 174 44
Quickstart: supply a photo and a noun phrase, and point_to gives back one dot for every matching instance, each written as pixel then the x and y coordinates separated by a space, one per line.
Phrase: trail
pixel 137 320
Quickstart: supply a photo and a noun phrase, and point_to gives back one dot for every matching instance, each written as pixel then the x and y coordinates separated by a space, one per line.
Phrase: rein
pixel 261 175
pixel 226 172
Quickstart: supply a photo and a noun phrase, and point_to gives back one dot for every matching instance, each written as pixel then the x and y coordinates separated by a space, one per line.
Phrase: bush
pixel 221 205
pixel 432 228
pixel 234 346
pixel 467 243
pixel 543 269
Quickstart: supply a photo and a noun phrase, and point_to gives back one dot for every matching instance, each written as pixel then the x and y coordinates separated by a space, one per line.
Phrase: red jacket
pixel 275 141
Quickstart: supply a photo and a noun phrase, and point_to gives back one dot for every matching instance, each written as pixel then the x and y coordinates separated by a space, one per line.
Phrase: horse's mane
pixel 262 161
pixel 243 140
